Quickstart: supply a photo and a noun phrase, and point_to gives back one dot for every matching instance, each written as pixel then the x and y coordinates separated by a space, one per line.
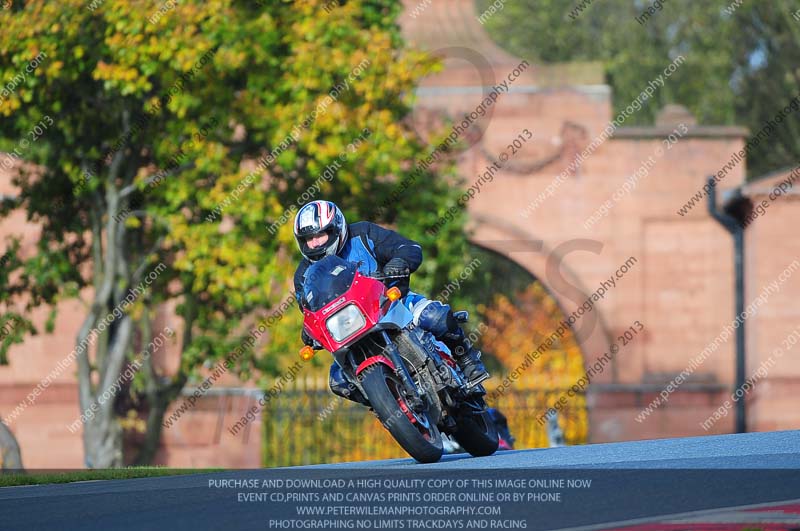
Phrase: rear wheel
pixel 476 433
pixel 414 431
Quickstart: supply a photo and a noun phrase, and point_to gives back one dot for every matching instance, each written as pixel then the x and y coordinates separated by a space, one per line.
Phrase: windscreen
pixel 327 279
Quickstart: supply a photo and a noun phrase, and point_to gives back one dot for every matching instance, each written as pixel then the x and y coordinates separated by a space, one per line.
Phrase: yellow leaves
pixel 519 327
pixel 229 57
pixel 134 40
pixel 338 56
pixel 131 421
pixel 119 40
pixel 114 73
pixel 53 68
pixel 228 254
pixel 136 310
pixel 152 103
pixel 286 234
pixel 10 105
pixel 133 222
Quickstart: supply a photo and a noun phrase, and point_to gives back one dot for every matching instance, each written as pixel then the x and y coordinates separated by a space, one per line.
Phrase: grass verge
pixel 42 477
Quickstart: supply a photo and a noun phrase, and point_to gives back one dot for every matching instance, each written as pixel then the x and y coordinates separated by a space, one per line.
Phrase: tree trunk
pixel 102 432
pixel 152 438
pixel 159 399
pixel 158 407
pixel 102 440
pixel 10 458
pixel 159 396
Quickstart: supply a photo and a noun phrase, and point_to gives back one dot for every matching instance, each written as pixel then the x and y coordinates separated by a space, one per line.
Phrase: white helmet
pixel 320 216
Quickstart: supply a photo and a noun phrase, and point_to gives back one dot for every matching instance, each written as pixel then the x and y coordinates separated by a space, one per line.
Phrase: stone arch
pixel 537 257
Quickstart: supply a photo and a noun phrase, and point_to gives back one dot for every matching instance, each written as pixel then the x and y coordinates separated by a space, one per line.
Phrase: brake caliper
pixel 407 411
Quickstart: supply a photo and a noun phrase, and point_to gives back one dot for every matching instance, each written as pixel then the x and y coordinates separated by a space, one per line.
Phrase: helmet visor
pixel 316 240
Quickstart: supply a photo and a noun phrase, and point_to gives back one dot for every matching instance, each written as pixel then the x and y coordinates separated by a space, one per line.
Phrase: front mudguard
pixel 374 360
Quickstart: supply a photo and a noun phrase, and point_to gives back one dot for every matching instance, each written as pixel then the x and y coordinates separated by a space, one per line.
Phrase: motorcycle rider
pixel 320 230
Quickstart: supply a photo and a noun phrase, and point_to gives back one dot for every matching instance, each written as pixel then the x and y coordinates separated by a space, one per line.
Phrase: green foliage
pixel 741 66
pixel 768 78
pixel 633 53
pixel 162 126
pixel 45 478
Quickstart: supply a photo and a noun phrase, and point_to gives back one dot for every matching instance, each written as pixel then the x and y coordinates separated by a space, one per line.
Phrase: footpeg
pixel 478 380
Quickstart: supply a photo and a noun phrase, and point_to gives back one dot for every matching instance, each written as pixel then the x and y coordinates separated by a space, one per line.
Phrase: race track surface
pixel 686 483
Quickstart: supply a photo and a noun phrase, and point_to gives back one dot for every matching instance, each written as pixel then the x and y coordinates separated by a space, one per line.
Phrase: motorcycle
pixel 411 381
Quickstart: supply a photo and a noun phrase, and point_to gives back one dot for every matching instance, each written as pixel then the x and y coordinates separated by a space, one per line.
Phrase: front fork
pixel 412 395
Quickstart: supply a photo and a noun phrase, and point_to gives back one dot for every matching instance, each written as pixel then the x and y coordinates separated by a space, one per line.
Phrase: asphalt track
pixel 684 483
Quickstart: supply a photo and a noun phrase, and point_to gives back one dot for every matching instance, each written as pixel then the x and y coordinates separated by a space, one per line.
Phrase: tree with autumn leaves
pixel 516 324
pixel 176 140
pixel 519 324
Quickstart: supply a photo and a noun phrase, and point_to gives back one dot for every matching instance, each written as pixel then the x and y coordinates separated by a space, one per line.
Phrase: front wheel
pixel 476 433
pixel 413 431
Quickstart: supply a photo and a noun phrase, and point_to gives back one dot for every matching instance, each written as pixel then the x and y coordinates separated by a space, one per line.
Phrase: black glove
pixel 396 266
pixel 310 341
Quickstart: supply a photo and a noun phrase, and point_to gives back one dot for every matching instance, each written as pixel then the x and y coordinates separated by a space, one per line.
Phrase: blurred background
pixel 153 154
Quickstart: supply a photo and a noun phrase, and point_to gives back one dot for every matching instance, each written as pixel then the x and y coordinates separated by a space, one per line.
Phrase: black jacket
pixel 372 245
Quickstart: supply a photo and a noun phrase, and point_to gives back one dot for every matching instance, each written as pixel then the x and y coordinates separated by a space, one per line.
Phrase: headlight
pixel 345 322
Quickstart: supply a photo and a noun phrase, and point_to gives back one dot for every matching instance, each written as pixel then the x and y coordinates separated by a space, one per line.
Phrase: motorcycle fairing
pixel 397 316
pixel 365 293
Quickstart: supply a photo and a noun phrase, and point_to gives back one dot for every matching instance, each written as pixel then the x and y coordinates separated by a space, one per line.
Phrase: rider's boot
pixel 467 357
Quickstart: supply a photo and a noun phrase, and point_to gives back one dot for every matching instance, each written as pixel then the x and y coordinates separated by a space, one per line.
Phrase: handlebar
pixel 378 276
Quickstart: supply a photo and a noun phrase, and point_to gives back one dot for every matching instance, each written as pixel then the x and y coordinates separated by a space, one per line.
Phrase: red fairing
pixel 365 293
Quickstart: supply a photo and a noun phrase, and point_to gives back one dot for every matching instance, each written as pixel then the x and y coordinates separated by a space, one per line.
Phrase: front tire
pixel 413 431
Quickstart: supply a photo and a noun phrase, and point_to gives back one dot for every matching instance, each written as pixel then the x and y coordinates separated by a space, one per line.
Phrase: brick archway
pixel 532 253
pixel 680 286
